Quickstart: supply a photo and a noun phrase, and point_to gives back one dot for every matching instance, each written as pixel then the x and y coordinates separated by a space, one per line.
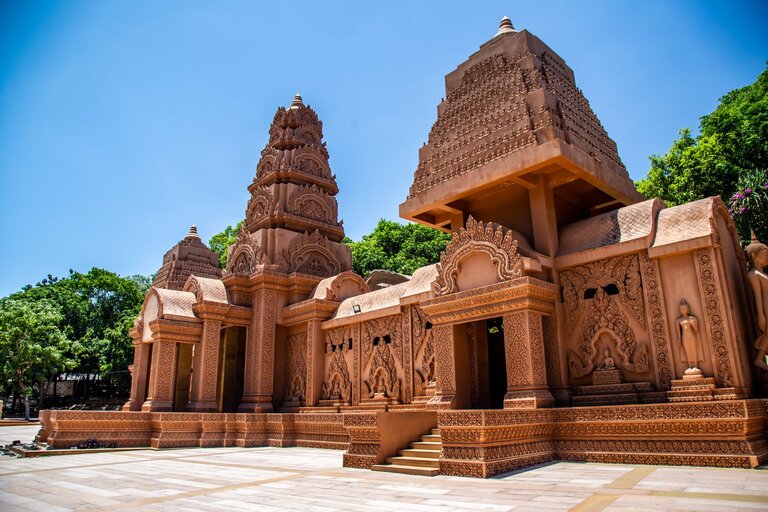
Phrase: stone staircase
pixel 420 458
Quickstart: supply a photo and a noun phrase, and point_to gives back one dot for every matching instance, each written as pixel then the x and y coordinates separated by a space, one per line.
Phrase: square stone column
pixel 139 376
pixel 315 362
pixel 205 369
pixel 162 377
pixel 260 353
pixel 445 371
pixel 526 367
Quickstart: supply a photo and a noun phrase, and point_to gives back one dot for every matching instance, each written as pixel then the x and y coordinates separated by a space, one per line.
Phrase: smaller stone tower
pixel 291 221
pixel 189 256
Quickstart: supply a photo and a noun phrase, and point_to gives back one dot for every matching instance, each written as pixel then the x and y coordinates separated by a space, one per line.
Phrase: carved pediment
pixel 245 257
pixel 310 201
pixel 311 253
pixel 483 244
pixel 261 204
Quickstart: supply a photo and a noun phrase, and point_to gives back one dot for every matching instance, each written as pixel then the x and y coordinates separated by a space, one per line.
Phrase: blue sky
pixel 123 122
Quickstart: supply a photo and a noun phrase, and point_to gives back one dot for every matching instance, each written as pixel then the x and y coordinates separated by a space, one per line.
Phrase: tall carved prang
pixel 291 220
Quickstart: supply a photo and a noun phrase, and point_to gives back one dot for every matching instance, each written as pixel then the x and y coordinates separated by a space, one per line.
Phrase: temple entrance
pixel 231 369
pixel 497 363
pixel 481 382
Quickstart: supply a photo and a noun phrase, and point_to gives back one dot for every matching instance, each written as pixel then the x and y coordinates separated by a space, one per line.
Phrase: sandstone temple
pixel 569 318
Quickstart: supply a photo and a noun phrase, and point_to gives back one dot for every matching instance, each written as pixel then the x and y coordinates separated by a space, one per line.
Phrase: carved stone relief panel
pixel 296 367
pixel 599 299
pixel 338 384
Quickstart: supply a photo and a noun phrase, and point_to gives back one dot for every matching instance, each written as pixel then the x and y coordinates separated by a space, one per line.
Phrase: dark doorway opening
pixel 231 369
pixel 497 362
pixel 183 376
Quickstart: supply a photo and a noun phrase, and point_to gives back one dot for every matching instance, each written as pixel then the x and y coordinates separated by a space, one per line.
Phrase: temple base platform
pixel 475 443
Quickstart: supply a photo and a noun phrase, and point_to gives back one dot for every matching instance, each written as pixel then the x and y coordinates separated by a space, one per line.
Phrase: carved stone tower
pixel 291 221
pixel 190 256
pixel 516 143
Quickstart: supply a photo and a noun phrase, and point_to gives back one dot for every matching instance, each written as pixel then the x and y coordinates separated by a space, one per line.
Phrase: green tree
pixel 33 349
pixel 220 242
pixel 733 142
pixel 397 247
pixel 97 311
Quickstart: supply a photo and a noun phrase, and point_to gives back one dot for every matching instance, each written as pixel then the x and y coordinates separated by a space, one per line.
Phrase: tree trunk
pixel 41 398
pixel 26 407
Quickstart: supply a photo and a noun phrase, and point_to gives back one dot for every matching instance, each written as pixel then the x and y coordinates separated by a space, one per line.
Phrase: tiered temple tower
pixel 189 256
pixel 291 221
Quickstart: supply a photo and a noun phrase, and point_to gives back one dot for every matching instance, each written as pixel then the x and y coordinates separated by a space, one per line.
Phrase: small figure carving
pixel 379 388
pixel 297 392
pixel 690 341
pixel 335 393
pixel 757 252
pixel 430 373
pixel 608 363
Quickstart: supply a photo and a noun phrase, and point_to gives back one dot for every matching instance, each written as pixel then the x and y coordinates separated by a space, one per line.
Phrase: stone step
pixel 407 470
pixel 424 454
pixel 415 461
pixel 427 445
pixel 435 432
pixel 434 438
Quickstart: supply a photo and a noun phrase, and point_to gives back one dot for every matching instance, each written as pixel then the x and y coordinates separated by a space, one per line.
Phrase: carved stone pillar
pixel 161 377
pixel 315 359
pixel 139 375
pixel 526 368
pixel 260 353
pixel 205 368
pixel 445 386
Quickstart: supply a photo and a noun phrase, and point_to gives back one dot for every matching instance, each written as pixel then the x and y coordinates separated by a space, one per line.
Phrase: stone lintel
pixel 164 331
pixel 310 309
pixel 269 279
pixel 520 294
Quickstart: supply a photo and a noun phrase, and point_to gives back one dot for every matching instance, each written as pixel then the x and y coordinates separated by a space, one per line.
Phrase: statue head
pixel 685 309
pixel 757 253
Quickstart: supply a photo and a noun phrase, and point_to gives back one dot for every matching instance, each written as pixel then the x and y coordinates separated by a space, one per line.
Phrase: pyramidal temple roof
pixel 189 256
pixel 512 110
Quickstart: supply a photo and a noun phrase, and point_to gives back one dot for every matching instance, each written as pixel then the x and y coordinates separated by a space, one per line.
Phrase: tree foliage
pixel 733 142
pixel 220 242
pixel 397 247
pixel 93 312
pixel 33 348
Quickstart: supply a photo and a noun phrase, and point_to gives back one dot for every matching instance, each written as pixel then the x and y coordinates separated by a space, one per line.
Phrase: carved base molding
pixel 478 443
pixel 713 433
pixel 182 429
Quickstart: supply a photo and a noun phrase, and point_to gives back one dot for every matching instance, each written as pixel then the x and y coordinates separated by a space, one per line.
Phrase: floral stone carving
pixel 478 237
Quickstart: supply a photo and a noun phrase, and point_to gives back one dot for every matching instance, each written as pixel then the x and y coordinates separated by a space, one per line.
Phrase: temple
pixel 569 318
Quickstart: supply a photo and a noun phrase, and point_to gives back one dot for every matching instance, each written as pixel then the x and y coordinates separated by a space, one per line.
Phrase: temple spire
pixel 505 26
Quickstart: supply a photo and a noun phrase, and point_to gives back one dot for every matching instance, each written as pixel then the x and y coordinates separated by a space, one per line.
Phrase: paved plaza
pixel 278 479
